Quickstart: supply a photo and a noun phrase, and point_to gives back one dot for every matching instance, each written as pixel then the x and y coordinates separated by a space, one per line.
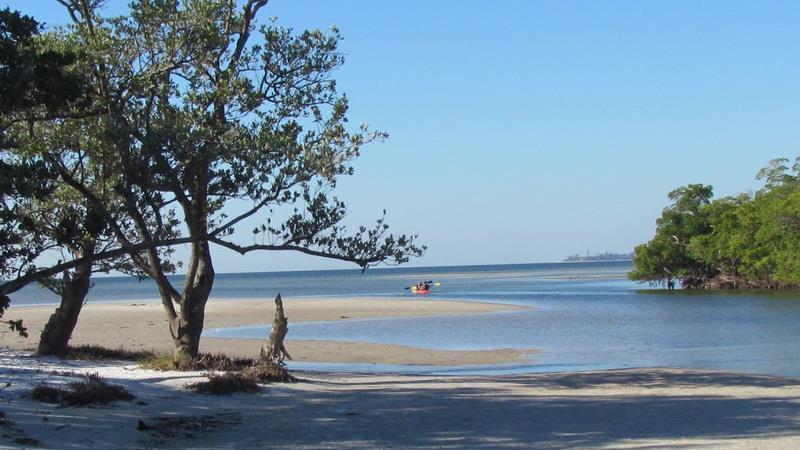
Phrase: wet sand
pixel 143 326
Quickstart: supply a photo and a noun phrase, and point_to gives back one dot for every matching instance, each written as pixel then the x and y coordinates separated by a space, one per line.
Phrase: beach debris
pixel 187 427
pixel 225 384
pixel 91 390
pixel 269 372
pixel 273 349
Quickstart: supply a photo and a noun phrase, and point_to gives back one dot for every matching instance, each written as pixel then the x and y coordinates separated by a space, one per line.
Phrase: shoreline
pixel 141 325
pixel 615 408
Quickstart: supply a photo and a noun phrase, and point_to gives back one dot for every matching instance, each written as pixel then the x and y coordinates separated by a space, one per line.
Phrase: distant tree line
pixel 605 256
pixel 745 241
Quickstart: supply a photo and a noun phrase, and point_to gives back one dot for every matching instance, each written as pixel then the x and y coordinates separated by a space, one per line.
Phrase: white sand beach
pixel 643 408
pixel 637 408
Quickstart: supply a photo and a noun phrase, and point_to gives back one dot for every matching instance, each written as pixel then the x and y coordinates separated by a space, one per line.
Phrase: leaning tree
pixel 72 224
pixel 205 112
pixel 35 86
pixel 48 118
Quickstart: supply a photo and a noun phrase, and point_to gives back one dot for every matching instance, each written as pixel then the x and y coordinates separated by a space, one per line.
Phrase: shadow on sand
pixel 519 411
pixel 642 407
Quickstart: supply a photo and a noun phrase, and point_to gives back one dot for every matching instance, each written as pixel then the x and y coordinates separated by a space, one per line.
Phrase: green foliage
pixel 667 255
pixel 31 77
pixel 205 115
pixel 184 112
pixel 57 198
pixel 16 325
pixel 35 84
pixel 743 241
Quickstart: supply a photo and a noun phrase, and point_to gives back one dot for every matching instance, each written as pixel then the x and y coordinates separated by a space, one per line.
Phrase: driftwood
pixel 273 349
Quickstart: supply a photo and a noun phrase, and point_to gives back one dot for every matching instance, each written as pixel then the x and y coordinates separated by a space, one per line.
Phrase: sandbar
pixel 141 325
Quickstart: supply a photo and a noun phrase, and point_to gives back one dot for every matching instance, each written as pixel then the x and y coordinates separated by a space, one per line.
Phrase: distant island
pixel 607 256
pixel 751 240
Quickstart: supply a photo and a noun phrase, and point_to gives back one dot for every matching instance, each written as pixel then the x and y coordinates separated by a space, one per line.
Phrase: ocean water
pixel 584 316
pixel 460 281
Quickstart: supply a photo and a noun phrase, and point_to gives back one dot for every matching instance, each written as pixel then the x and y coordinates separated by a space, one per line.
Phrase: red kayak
pixel 416 290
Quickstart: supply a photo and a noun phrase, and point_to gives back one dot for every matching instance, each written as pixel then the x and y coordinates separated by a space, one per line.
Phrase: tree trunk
pixel 55 336
pixel 186 341
pixel 273 349
pixel 191 312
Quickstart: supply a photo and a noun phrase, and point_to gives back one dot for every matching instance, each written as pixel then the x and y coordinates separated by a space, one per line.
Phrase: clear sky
pixel 526 131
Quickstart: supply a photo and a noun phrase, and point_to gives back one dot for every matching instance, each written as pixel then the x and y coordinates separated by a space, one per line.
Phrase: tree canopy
pixel 35 85
pixel 192 107
pixel 745 241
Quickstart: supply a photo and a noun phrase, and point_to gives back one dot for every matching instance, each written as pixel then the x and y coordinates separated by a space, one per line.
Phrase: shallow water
pixel 583 316
pixel 588 319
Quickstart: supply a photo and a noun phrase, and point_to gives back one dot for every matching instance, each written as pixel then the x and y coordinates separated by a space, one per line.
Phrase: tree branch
pixel 12 286
pixel 361 262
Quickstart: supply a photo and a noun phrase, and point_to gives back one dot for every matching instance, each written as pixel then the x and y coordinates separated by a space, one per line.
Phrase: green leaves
pixel 742 241
pixel 30 76
pixel 188 108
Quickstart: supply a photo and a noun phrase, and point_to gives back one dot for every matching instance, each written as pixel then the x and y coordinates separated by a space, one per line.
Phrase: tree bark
pixel 56 334
pixel 187 322
pixel 273 349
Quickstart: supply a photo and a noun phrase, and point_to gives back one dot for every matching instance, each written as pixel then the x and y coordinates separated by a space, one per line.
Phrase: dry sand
pixel 142 326
pixel 643 408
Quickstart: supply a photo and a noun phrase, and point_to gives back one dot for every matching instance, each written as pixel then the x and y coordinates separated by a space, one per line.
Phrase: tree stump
pixel 273 349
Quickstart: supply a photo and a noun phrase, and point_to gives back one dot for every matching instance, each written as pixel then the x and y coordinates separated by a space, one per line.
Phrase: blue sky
pixel 526 131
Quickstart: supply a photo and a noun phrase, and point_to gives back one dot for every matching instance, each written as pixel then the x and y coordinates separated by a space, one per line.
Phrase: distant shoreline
pixel 594 260
pixel 602 257
pixel 410 270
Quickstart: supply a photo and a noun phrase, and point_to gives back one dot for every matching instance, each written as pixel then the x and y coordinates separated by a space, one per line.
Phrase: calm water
pixel 586 316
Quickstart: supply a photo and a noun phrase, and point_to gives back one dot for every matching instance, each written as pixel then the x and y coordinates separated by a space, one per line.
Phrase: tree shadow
pixel 654 378
pixel 651 378
pixel 387 416
pixel 564 410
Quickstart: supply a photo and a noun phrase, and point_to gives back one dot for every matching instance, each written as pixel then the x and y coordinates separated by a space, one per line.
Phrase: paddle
pixel 429 283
